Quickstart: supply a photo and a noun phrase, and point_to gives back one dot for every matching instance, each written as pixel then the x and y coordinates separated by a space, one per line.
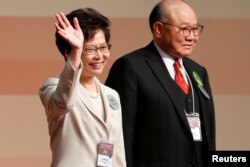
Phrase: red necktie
pixel 179 79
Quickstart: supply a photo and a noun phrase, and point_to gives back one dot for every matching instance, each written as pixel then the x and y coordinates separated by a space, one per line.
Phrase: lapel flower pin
pixel 200 84
pixel 197 78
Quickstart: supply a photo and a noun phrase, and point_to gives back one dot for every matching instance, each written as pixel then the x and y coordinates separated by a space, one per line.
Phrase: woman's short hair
pixel 90 22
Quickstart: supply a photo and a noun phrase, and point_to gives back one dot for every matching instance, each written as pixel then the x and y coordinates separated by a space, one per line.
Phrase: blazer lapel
pixel 107 109
pixel 84 96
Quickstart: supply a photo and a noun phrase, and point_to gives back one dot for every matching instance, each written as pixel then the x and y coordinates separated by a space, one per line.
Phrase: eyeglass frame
pixel 96 48
pixel 186 31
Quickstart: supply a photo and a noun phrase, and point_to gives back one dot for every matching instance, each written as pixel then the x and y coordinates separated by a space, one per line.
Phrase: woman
pixel 84 116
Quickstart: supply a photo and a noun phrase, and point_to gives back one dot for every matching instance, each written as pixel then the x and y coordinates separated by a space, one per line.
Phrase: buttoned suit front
pixel 156 130
pixel 74 127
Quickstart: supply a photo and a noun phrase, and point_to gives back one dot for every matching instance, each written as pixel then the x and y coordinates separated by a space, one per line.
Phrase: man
pixel 165 125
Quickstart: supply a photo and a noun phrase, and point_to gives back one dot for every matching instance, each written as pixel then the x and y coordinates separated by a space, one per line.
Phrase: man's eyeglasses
pixel 91 50
pixel 197 29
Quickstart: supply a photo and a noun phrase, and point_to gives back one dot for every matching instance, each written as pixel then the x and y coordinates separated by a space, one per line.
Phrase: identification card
pixel 105 153
pixel 195 126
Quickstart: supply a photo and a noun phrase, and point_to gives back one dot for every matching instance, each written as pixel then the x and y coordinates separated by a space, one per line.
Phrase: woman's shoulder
pixel 109 90
pixel 50 82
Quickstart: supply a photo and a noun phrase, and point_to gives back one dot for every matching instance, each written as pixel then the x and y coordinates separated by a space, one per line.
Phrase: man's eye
pixel 185 29
pixel 195 28
pixel 90 49
pixel 103 47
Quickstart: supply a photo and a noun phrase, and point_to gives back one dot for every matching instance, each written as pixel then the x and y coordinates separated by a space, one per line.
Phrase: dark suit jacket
pixel 156 130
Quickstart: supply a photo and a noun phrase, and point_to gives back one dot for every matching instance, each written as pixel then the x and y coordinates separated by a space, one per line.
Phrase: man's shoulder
pixel 134 54
pixel 137 54
pixel 192 62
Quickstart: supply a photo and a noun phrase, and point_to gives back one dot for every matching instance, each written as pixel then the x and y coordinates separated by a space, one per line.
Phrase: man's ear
pixel 157 29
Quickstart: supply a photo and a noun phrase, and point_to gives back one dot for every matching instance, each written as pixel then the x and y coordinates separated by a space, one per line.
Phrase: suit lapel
pixel 154 60
pixel 203 109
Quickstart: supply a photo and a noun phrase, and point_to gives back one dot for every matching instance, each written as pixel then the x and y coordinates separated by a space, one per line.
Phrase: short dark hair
pixel 156 15
pixel 90 21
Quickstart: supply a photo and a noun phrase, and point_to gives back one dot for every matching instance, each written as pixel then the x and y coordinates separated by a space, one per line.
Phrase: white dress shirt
pixel 169 63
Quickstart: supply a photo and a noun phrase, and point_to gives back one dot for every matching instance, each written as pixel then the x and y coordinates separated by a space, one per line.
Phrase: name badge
pixel 113 103
pixel 195 126
pixel 105 153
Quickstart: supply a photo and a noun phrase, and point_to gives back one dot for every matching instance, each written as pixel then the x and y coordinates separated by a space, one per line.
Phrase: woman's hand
pixel 73 35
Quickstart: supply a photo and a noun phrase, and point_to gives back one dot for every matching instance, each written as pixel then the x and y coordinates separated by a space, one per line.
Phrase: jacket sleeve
pixel 59 95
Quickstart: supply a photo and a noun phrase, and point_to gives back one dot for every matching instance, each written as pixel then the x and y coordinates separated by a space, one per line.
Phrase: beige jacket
pixel 74 128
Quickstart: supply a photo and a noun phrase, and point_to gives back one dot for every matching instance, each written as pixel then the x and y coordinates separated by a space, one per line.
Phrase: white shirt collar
pixel 169 61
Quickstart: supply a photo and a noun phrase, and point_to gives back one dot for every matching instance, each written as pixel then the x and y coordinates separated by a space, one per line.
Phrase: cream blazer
pixel 74 127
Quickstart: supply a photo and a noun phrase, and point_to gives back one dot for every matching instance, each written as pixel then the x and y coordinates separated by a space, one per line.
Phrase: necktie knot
pixel 177 65
pixel 179 79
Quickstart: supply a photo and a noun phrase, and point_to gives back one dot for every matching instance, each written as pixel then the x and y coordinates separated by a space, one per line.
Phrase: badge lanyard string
pixel 192 90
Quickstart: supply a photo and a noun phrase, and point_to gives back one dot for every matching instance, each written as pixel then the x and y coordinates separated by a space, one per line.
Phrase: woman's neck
pixel 89 83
